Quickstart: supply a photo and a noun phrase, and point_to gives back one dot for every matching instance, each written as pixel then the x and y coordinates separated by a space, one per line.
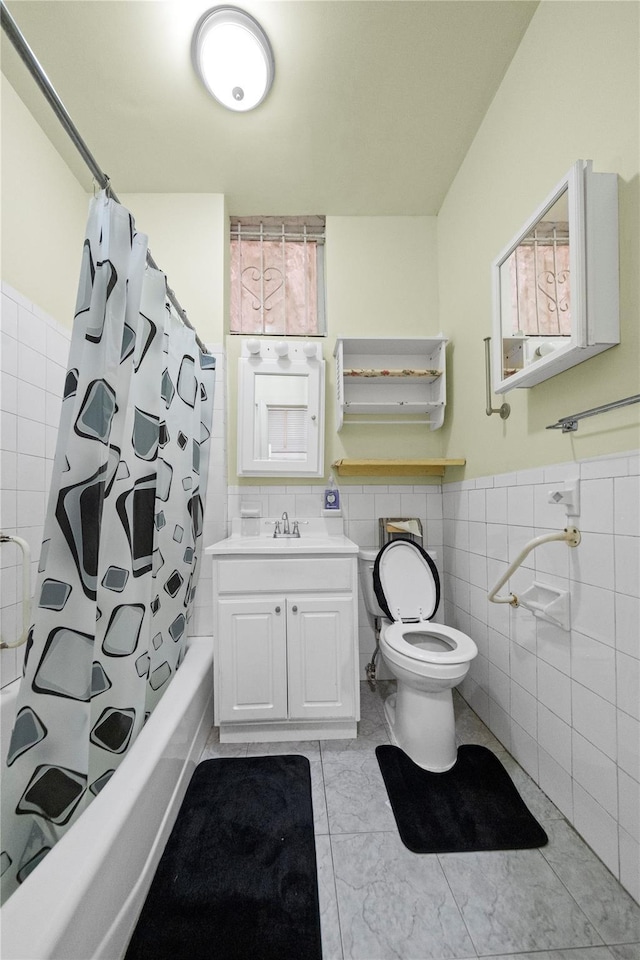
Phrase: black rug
pixel 472 806
pixel 237 879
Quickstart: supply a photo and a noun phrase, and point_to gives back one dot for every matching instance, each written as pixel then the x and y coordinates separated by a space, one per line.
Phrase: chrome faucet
pixel 286 528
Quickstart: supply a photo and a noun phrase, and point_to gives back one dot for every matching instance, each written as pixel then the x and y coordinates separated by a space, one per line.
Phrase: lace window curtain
pixel 277 276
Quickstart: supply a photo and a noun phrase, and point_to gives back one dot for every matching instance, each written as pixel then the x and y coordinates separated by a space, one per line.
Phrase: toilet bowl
pixel 401 588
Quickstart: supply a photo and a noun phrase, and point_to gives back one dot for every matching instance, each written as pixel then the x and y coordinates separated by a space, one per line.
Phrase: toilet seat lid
pixel 406 581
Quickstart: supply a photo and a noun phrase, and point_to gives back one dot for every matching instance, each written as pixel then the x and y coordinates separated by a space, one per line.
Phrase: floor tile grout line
pixel 335 888
pixel 458 907
pixel 544 952
pixel 333 867
pixel 582 911
pixel 604 945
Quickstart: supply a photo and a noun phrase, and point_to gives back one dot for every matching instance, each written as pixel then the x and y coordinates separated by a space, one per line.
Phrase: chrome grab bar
pixel 26 590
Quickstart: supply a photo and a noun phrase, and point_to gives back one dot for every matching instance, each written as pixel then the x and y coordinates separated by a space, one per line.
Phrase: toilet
pixel 401 587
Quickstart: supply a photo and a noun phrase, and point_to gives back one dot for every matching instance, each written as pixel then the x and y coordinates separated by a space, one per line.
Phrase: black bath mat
pixel 473 806
pixel 237 879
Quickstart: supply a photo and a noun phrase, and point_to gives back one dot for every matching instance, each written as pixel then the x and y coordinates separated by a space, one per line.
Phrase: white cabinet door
pixel 320 654
pixel 252 659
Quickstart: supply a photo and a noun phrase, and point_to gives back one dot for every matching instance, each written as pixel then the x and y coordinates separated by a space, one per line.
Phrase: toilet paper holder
pixel 394 528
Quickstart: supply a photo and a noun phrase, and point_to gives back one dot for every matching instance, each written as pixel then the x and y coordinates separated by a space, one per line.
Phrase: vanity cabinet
pixel 285 648
pixel 397 380
pixel 285 658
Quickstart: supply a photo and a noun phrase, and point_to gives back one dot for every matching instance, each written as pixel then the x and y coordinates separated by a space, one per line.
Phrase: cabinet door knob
pixel 294 608
pixel 277 609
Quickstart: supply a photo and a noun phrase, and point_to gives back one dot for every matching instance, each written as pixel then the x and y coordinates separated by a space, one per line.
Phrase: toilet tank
pixel 366 560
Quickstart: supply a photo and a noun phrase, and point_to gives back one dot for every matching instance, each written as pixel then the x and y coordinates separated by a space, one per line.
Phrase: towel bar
pixel 570 424
pixel 504 410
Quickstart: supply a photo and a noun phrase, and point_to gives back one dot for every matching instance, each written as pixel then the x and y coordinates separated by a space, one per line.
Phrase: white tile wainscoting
pixel 565 704
pixel 33 359
pixel 361 507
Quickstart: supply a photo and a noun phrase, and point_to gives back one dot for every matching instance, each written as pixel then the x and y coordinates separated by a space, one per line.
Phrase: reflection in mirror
pixel 535 283
pixel 280 426
pixel 556 284
pixel 281 409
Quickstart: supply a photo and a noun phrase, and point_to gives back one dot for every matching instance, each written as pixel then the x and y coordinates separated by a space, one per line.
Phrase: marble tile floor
pixel 380 901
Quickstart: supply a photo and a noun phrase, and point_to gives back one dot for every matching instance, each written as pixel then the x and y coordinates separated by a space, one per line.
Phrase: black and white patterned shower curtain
pixel 122 541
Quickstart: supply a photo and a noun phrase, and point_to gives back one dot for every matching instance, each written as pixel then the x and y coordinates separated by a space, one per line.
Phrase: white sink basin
pixel 317 537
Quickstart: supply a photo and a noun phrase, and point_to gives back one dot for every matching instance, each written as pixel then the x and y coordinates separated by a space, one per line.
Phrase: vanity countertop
pixel 317 537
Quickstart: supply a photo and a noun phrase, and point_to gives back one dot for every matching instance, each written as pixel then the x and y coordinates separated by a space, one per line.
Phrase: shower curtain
pixel 122 541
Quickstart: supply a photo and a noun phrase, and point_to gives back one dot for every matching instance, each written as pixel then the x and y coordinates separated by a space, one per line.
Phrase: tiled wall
pixel 361 507
pixel 33 357
pixel 566 704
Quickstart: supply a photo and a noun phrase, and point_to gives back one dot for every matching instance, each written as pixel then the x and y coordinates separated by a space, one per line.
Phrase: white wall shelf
pixel 398 380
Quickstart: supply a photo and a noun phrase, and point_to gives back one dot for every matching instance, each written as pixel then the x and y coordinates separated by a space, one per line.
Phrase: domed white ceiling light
pixel 233 56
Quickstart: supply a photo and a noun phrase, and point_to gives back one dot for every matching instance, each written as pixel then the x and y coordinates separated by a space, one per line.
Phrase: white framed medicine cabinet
pixel 556 285
pixel 281 409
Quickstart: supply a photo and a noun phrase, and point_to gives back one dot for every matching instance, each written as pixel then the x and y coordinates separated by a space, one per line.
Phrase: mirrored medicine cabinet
pixel 281 409
pixel 556 285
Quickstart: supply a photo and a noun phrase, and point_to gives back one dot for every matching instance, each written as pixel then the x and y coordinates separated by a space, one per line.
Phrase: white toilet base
pixel 423 725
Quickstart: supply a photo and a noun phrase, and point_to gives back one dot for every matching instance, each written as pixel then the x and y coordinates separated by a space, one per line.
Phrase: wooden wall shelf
pixel 395 468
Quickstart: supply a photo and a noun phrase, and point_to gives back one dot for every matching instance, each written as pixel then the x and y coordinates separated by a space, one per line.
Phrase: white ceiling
pixel 374 105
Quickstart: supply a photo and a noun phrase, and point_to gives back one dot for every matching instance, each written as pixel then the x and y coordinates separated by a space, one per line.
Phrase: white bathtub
pixel 83 900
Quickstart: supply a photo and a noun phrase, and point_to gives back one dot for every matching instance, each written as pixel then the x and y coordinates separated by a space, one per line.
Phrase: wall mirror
pixel 555 286
pixel 281 409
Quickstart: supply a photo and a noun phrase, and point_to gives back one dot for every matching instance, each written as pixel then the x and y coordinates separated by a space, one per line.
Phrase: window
pixel 287 431
pixel 540 282
pixel 277 276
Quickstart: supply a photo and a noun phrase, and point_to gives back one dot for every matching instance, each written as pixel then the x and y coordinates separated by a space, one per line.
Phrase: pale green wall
pixel 44 211
pixel 404 276
pixel 382 281
pixel 570 93
pixel 188 238
pixel 382 276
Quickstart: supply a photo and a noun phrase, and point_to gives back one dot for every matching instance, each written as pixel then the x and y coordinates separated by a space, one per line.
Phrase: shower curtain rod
pixel 32 64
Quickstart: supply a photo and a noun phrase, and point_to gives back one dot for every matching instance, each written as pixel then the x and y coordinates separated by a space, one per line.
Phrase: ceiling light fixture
pixel 233 56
